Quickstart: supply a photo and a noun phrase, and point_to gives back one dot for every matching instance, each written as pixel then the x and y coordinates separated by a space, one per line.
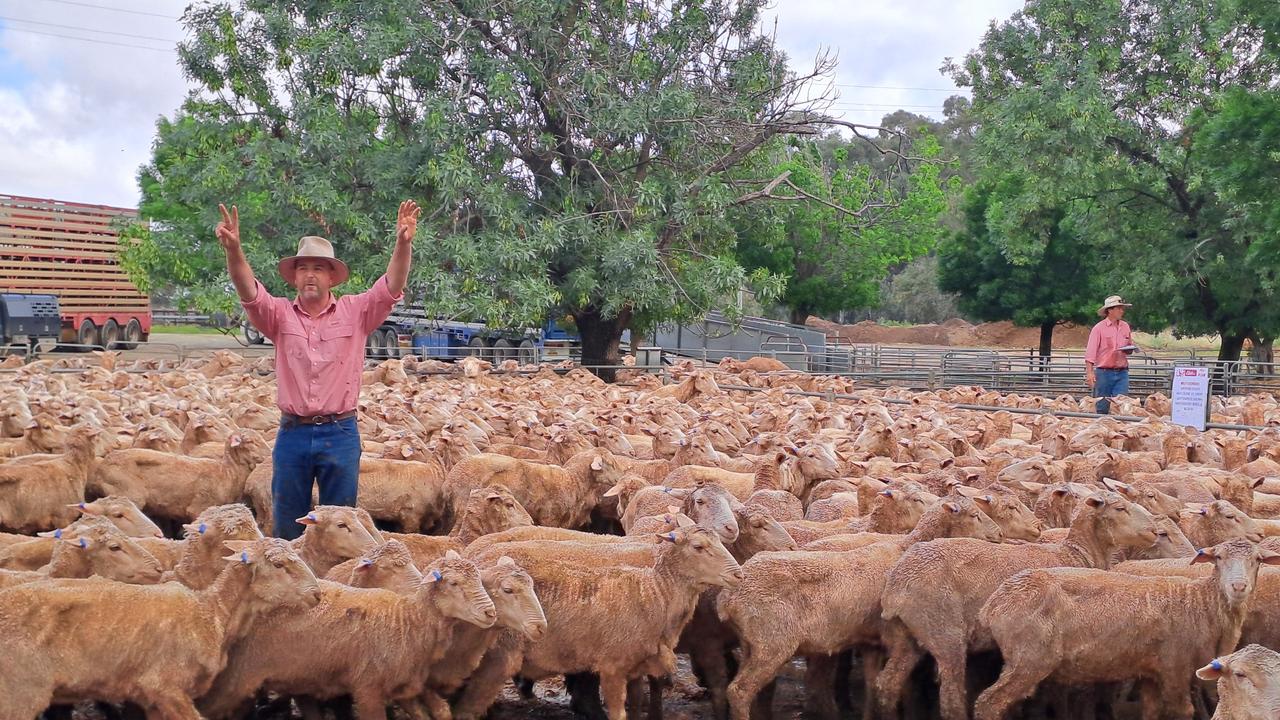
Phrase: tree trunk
pixel 600 339
pixel 1228 352
pixel 1046 343
pixel 1231 347
pixel 1262 354
pixel 798 315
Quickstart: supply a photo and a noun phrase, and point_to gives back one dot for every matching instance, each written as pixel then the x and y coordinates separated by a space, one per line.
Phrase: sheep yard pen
pixel 824 475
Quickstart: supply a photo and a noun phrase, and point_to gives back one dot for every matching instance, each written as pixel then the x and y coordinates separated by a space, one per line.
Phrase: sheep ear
pixel 1204 555
pixel 506 562
pixel 406 451
pixel 235 441
pixel 85 509
pixel 1094 501
pixel 308 519
pixel 614 491
pixel 952 507
pixel 433 576
pixel 673 509
pixel 1268 558
pixel 1032 486
pixel 969 492
pixel 364 564
pixel 1212 671
pixel 887 492
pixel 452 555
pixel 237 547
pixel 80 542
pixel 673 537
pixel 684 521
pixel 597 463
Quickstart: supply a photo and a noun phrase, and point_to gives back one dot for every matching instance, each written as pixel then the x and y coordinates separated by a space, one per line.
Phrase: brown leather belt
pixel 287 420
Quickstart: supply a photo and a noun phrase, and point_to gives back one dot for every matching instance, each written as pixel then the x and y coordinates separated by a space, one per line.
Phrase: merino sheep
pixel 176 486
pixel 1078 626
pixel 46 657
pixel 554 496
pixel 376 645
pixel 43 495
pixel 1248 684
pixel 934 593
pixel 820 603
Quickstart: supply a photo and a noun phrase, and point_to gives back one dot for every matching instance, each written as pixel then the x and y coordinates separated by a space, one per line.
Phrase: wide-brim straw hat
pixel 314 248
pixel 1113 301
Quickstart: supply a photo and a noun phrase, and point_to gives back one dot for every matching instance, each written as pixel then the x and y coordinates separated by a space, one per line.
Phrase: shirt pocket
pixel 335 341
pixel 292 339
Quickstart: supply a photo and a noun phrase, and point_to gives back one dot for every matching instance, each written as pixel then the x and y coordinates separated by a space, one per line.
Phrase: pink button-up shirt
pixel 1105 339
pixel 319 359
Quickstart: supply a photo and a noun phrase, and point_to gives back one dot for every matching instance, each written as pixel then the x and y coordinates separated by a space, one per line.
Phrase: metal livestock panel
pixel 715 338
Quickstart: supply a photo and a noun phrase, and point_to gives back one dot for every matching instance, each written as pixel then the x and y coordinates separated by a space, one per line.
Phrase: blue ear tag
pixel 671 536
pixel 83 544
pixel 1216 665
pixel 436 574
pixel 365 562
pixel 311 517
pixel 57 534
pixel 1204 511
pixel 244 557
pixel 80 505
pixel 202 528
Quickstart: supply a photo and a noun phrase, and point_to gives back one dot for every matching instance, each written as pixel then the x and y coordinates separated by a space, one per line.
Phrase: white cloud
pixel 77 118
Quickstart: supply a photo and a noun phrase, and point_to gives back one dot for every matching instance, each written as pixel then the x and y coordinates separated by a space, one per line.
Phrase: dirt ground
pixel 953 333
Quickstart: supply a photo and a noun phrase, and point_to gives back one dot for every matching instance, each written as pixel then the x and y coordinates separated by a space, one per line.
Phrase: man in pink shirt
pixel 1106 357
pixel 319 344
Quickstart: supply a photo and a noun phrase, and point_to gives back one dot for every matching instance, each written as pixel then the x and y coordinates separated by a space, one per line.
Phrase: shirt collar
pixel 333 302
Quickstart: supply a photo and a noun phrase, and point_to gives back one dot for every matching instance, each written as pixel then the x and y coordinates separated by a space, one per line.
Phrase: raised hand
pixel 407 221
pixel 228 231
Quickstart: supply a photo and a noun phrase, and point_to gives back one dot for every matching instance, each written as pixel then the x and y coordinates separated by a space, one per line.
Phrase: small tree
pixel 832 260
pixel 1049 281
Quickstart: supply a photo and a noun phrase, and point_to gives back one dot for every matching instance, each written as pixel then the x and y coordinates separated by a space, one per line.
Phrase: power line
pixel 113 9
pixel 896 87
pixel 88 40
pixel 89 30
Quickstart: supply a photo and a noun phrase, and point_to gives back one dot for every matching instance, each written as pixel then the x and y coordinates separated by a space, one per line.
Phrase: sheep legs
pixel 170 706
pixel 614 689
pixel 757 670
pixel 1017 682
pixel 904 655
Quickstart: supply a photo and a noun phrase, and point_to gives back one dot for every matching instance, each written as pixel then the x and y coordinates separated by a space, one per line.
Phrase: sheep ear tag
pixel 202 528
pixel 244 557
pixel 436 576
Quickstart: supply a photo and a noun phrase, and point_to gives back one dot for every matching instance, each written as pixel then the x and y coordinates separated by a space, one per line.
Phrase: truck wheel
pixel 110 333
pixel 528 352
pixel 503 350
pixel 87 335
pixel 132 334
pixel 477 347
pixel 252 336
pixel 390 343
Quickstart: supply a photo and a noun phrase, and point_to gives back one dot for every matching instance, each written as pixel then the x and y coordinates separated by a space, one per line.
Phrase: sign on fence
pixel 1191 396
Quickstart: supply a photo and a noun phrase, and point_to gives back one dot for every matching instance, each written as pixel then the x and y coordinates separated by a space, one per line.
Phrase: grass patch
pixel 184 330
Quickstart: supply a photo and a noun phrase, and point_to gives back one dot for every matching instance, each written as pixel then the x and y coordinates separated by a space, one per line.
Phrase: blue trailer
pixel 405 332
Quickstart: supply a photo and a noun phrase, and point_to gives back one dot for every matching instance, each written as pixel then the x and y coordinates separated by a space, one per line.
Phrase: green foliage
pixel 835 261
pixel 570 158
pixel 1055 282
pixel 1091 104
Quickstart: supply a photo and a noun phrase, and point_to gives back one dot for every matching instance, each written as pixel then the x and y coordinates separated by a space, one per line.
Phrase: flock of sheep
pixel 918 559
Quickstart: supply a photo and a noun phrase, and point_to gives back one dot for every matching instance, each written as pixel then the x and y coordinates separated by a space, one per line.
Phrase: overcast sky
pixel 77 116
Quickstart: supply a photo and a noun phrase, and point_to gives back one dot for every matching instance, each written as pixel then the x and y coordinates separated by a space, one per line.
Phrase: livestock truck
pixel 70 251
pixel 407 330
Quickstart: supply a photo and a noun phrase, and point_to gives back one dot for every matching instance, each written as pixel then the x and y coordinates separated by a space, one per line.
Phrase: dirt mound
pixel 952 333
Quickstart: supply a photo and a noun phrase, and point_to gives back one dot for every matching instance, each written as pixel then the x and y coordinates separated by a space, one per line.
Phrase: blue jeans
pixel 1110 384
pixel 326 454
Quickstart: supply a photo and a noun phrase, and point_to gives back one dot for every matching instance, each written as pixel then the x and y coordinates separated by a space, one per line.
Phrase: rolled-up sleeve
pixel 263 312
pixel 376 304
pixel 1094 345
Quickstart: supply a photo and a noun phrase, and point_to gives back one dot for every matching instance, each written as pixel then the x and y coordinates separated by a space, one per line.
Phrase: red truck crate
pixel 70 250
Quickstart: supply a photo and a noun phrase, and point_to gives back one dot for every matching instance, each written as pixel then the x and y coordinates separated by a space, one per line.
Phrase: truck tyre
pixel 87 335
pixel 477 347
pixel 132 334
pixel 528 352
pixel 503 350
pixel 252 336
pixel 110 334
pixel 390 343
